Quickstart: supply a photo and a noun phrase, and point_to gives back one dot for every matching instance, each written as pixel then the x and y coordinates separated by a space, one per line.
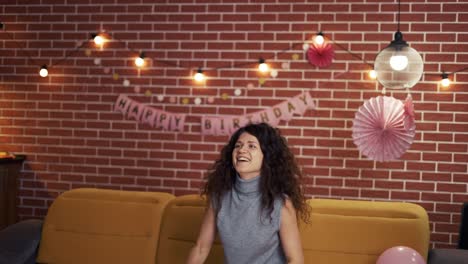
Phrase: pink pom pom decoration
pixel 320 55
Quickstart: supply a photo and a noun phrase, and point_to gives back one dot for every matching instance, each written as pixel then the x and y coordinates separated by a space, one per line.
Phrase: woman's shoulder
pixel 288 206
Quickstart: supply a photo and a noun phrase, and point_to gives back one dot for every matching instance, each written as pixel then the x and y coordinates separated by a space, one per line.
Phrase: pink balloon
pixel 400 255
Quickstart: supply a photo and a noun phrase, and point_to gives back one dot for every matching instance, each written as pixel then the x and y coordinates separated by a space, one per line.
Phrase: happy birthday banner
pixel 226 125
pixel 148 115
pixel 213 125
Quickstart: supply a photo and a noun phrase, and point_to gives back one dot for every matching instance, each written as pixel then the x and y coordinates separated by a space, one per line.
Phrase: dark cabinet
pixel 9 170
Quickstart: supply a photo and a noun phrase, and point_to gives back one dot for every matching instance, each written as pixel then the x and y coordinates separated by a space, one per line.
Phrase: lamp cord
pixel 398 18
pixel 460 70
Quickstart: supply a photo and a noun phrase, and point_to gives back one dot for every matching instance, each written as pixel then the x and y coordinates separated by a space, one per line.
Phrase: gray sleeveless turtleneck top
pixel 249 236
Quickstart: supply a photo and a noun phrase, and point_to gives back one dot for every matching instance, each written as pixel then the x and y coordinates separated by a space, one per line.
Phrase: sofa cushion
pixel 179 231
pixel 357 232
pixel 102 226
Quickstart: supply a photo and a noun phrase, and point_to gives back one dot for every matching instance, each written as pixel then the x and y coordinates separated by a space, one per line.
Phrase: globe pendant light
pixel 398 66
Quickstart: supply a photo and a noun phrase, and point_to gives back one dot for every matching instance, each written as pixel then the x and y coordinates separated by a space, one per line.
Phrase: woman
pixel 254 198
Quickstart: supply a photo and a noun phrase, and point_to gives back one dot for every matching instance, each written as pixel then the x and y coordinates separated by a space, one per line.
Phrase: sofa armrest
pixel 447 256
pixel 19 242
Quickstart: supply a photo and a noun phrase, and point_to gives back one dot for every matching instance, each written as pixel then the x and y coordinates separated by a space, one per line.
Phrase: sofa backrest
pixel 179 231
pixel 102 226
pixel 108 226
pixel 357 232
pixel 340 231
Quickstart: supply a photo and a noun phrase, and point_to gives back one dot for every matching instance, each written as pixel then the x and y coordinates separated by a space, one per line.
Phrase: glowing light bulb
pixel 262 66
pixel 399 62
pixel 319 39
pixel 199 76
pixel 43 72
pixel 373 74
pixel 445 82
pixel 140 61
pixel 98 40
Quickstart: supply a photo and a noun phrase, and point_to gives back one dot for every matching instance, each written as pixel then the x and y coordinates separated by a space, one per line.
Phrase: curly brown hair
pixel 280 173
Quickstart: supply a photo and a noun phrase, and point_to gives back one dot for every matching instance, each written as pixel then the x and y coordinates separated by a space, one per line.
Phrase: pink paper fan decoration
pixel 379 129
pixel 320 55
pixel 409 113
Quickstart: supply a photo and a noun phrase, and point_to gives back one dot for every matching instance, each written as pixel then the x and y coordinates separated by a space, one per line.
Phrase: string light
pixel 199 76
pixel 319 39
pixel 445 82
pixel 373 74
pixel 262 66
pixel 98 40
pixel 43 72
pixel 140 60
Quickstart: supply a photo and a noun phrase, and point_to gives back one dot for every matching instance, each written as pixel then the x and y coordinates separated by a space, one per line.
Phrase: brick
pixel 342 192
pixel 451 167
pixel 123 180
pixel 358 183
pixel 437 197
pixel 405 196
pixel 438 177
pixel 449 147
pixel 380 194
pixel 420 186
pixel 405 175
pixel 453 188
pixel 390 165
pixel 174 183
pixel 328 182
pixel 385 184
pixel 438 136
pixel 437 156
pixel 446 228
pixel 148 182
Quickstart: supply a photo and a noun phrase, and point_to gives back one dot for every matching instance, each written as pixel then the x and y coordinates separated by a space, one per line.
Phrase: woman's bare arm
pixel 289 234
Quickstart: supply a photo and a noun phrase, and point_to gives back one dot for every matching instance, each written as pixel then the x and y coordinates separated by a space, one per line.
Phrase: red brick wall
pixel 67 126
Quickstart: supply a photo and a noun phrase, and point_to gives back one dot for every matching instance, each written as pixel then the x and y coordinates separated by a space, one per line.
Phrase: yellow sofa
pixel 107 226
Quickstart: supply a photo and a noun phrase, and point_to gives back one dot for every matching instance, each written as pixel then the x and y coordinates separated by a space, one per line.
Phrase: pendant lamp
pixel 398 66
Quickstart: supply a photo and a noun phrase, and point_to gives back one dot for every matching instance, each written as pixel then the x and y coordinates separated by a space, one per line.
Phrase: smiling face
pixel 247 156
